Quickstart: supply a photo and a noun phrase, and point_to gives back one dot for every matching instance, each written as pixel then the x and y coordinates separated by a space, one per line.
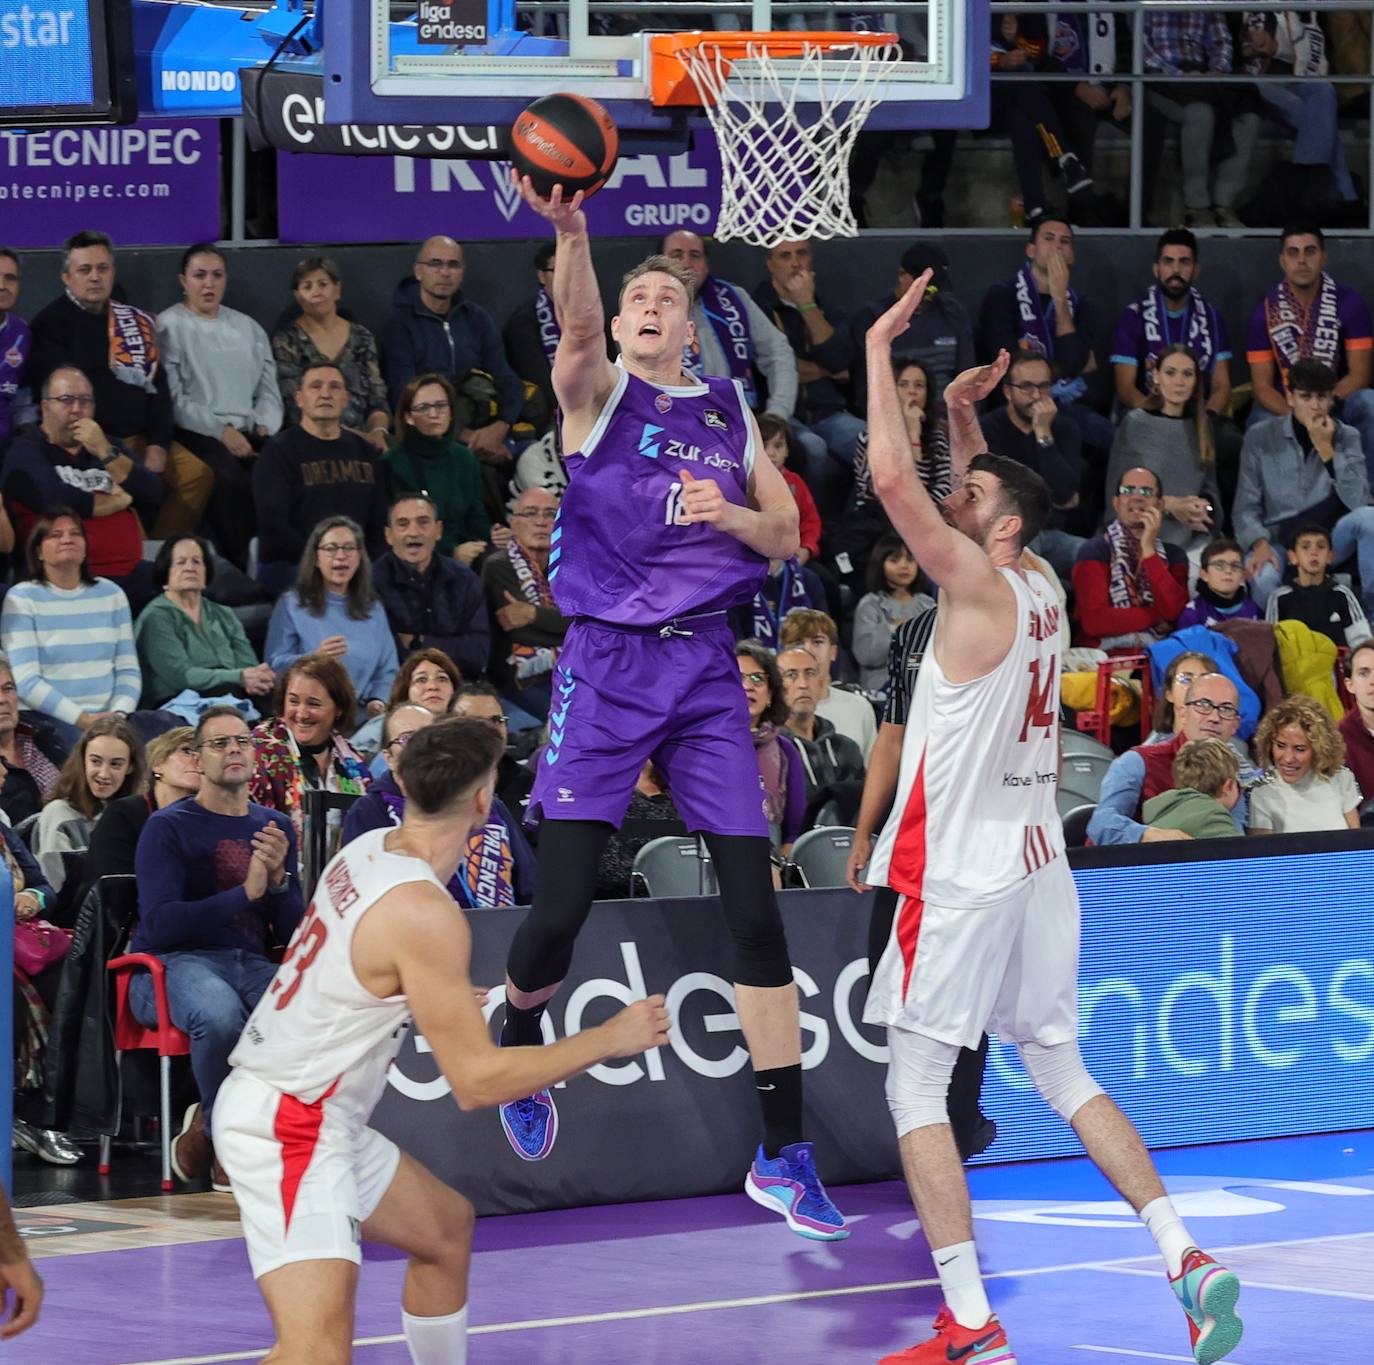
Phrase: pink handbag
pixel 38 944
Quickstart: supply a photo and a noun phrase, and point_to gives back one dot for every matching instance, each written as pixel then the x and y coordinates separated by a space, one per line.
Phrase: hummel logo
pixel 953 1352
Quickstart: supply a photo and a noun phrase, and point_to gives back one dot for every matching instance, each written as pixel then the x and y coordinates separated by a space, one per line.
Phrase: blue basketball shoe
pixel 531 1125
pixel 788 1184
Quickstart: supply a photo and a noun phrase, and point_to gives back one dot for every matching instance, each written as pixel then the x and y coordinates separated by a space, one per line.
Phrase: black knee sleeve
pixel 542 949
pixel 744 872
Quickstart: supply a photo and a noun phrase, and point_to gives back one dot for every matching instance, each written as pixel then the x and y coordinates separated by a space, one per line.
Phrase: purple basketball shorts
pixel 621 697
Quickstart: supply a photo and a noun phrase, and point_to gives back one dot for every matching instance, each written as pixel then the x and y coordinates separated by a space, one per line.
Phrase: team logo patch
pixel 663 402
pixel 14 357
pixel 712 418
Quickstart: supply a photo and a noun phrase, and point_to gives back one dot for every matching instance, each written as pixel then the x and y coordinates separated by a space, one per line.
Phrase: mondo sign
pixel 1221 999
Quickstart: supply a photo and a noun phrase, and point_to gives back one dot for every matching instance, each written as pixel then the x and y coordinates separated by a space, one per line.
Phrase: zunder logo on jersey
pixel 648 445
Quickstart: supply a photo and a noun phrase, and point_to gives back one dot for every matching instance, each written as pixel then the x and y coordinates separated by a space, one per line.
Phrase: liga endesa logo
pixel 1207 1020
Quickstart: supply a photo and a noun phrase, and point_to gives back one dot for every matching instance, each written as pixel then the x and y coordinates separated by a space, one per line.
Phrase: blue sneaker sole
pixel 766 1201
pixel 549 1137
pixel 1219 1309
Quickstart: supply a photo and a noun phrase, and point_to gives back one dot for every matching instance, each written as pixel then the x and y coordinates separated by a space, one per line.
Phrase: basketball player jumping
pixel 986 930
pixel 669 519
pixel 382 941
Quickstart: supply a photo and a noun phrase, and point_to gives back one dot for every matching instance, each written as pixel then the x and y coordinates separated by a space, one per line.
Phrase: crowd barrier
pixel 1227 992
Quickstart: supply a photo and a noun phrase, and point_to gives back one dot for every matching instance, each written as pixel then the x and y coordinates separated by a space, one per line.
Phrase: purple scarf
pixel 1037 320
pixel 729 320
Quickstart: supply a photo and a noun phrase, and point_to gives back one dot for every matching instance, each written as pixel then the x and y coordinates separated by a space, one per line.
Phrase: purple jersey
pixel 15 344
pixel 619 553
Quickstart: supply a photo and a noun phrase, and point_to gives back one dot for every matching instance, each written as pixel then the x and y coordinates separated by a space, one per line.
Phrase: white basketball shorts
pixel 306 1178
pixel 1009 968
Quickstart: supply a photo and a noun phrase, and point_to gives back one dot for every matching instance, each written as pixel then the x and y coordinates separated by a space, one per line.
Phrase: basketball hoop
pixel 786 109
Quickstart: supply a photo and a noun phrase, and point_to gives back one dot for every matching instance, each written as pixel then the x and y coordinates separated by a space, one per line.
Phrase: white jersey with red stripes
pixel 318 1032
pixel 975 810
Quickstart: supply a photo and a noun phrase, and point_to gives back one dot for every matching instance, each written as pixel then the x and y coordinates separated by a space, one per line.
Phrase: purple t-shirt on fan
pixel 618 552
pixel 1283 331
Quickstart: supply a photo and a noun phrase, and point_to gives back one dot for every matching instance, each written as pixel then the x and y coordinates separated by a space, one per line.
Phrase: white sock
pixel 1171 1237
pixel 437 1341
pixel 962 1282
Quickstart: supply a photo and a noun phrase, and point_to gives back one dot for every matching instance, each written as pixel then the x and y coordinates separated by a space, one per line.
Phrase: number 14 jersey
pixel 975 810
pixel 318 1033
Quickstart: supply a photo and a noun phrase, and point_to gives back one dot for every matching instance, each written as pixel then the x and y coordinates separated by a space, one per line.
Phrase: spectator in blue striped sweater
pixel 69 637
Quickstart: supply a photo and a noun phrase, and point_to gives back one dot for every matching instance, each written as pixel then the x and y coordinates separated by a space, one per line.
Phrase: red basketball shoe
pixel 955 1345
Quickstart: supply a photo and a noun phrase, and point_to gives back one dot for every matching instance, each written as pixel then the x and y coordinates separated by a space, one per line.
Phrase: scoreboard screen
pixel 65 62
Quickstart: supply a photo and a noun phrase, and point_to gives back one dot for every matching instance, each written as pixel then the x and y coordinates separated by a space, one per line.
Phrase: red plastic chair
pixel 130 1036
pixel 1098 721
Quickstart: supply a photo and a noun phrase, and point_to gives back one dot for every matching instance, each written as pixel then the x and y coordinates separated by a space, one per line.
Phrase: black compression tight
pixel 569 851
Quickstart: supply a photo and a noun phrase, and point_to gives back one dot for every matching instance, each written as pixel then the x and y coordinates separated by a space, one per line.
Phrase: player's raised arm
pixel 430 945
pixel 951 559
pixel 583 376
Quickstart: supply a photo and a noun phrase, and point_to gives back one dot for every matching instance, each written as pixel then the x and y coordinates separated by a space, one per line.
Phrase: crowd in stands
pixel 1059 82
pixel 250 565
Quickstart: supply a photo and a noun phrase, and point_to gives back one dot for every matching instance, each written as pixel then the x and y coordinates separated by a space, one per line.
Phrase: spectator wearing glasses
pixel 481 701
pixel 1305 469
pixel 1174 434
pixel 1298 741
pixel 218 889
pixel 498 869
pixel 427 678
pixel 315 332
pixel 780 764
pixel 1031 429
pixel 1129 585
pixel 431 600
pixel 334 611
pixel 1211 710
pixel 434 329
pixel 529 630
pixel 315 470
pixel 68 461
pixel 115 345
pixel 427 460
pixel 302 745
pixel 1221 592
pixel 187 641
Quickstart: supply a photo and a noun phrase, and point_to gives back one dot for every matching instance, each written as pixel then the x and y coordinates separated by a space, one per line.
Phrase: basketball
pixel 564 140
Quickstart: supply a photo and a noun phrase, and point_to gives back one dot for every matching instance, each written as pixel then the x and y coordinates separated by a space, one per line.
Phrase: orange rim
pixel 671 83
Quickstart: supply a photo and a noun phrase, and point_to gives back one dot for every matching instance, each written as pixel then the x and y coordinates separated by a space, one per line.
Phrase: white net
pixel 785 127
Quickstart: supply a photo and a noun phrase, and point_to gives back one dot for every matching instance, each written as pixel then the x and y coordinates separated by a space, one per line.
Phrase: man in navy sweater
pixel 217 889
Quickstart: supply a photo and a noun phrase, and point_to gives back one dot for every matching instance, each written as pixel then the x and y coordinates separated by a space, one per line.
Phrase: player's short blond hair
pixel 1206 765
pixel 661 265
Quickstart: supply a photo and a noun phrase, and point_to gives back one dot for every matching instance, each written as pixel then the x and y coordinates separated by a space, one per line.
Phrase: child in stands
pixel 1221 592
pixel 1316 599
pixel 1205 791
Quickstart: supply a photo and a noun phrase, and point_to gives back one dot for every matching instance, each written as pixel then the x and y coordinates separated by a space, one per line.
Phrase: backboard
pixel 483 61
